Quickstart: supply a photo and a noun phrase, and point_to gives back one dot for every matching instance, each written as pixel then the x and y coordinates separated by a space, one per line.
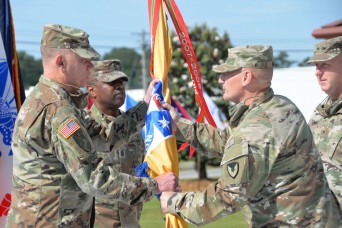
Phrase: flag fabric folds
pixel 129 103
pixel 161 156
pixel 218 116
pixel 183 113
pixel 220 119
pixel 158 131
pixel 11 97
pixel 8 38
pixel 8 115
pixel 191 59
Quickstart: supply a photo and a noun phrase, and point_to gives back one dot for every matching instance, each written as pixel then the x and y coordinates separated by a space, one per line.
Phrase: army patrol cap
pixel 327 50
pixel 65 37
pixel 258 56
pixel 108 70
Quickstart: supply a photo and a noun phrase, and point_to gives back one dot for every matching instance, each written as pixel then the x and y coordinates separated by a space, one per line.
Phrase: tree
pixel 130 62
pixel 30 69
pixel 210 48
pixel 282 61
pixel 303 62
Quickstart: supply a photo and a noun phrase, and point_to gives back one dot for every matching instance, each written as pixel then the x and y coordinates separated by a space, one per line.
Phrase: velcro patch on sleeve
pixel 69 128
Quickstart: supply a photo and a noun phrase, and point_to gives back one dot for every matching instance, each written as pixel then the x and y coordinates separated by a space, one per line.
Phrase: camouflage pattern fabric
pixel 272 171
pixel 327 50
pixel 56 170
pixel 108 70
pixel 109 213
pixel 65 37
pixel 255 56
pixel 326 127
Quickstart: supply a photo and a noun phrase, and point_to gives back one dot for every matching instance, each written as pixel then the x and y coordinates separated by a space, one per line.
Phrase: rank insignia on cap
pixel 233 169
pixel 69 128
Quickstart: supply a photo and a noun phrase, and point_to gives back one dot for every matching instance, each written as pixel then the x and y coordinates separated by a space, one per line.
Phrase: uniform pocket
pixel 235 162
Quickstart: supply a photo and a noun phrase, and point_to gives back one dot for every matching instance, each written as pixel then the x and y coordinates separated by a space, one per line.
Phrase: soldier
pixel 56 170
pixel 326 121
pixel 271 168
pixel 106 87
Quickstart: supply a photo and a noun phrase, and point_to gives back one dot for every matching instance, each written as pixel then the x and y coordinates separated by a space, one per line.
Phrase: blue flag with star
pixel 158 120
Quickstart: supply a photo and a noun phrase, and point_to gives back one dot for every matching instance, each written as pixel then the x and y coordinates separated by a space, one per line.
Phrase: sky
pixel 285 24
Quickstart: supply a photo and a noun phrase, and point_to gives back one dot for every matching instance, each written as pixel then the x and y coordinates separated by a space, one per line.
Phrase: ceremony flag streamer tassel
pixel 191 59
pixel 183 113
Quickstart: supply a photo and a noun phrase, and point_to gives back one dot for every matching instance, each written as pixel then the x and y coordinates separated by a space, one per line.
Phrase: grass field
pixel 152 217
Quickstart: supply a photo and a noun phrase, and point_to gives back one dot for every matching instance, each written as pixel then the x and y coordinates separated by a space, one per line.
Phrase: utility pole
pixel 143 60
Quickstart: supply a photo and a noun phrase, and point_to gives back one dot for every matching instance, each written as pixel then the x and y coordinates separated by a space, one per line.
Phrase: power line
pixel 98 46
pixel 35 43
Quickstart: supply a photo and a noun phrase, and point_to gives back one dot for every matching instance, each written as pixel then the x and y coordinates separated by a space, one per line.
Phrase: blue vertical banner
pixel 11 97
pixel 8 114
pixel 8 40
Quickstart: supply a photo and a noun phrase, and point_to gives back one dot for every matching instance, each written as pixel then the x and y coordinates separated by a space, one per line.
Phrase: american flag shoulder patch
pixel 69 128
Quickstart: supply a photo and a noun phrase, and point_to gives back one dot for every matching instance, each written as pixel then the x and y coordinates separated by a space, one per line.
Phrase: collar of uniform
pixel 100 116
pixel 61 93
pixel 329 108
pixel 267 95
pixel 240 109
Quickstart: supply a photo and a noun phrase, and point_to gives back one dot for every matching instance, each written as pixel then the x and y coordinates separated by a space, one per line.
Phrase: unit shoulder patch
pixel 233 169
pixel 82 141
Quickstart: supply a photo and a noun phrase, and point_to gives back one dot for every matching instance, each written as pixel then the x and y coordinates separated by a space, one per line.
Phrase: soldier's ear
pixel 246 77
pixel 59 61
pixel 91 91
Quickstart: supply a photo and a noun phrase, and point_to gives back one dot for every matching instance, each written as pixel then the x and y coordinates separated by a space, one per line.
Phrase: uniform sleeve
pixel 200 208
pixel 127 125
pixel 246 165
pixel 203 137
pixel 74 148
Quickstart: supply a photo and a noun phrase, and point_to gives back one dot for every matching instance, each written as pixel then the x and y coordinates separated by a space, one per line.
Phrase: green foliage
pixel 30 69
pixel 210 48
pixel 153 217
pixel 281 60
pixel 131 64
pixel 303 62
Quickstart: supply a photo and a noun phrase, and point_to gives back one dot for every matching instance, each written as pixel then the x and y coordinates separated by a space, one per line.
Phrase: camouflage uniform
pixel 56 170
pixel 272 172
pixel 326 127
pixel 326 122
pixel 110 213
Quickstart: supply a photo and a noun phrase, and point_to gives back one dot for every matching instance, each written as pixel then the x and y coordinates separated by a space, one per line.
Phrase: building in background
pixel 328 31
